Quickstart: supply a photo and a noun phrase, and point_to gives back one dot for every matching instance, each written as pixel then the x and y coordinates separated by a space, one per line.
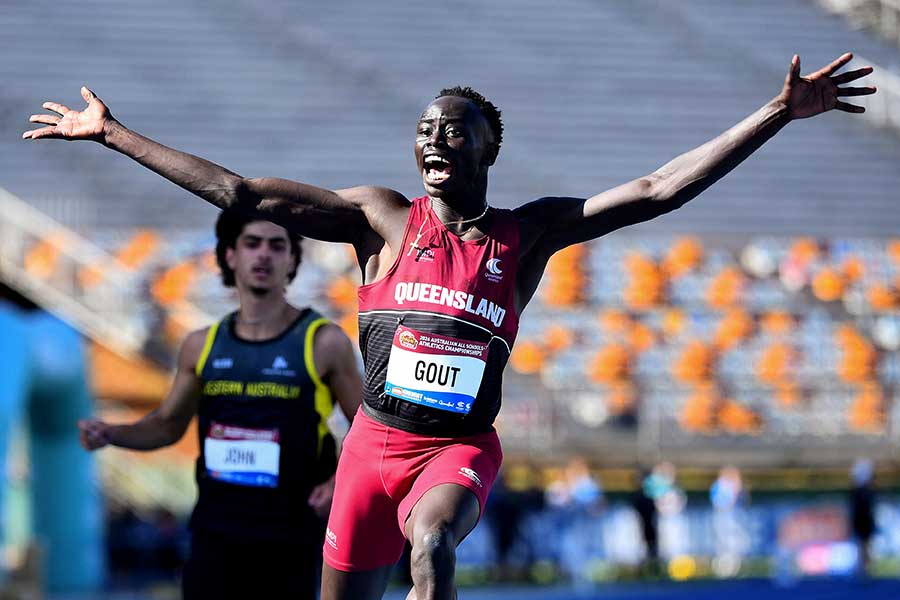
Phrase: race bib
pixel 435 370
pixel 242 456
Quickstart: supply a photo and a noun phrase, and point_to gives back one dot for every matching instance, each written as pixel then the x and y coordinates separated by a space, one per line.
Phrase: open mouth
pixel 261 271
pixel 437 169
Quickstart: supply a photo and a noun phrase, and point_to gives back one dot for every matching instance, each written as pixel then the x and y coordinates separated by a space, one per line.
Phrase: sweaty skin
pixel 454 150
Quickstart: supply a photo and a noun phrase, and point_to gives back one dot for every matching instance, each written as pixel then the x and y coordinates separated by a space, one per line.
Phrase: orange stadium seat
pixel 867 414
pixel 694 364
pixel 858 356
pixel 684 256
pixel 776 322
pixel 673 323
pixel 893 251
pixel 828 285
pixel 641 337
pixel 173 285
pixel 853 268
pixel 699 411
pixel 342 293
pixel 610 364
pixel 350 324
pixel 566 278
pixel 614 322
pixel 733 328
pixel 646 284
pixel 558 337
pixel 527 357
pixel 788 394
pixel 726 288
pixel 139 249
pixel 774 364
pixel 882 298
pixel 621 399
pixel 736 418
pixel 805 250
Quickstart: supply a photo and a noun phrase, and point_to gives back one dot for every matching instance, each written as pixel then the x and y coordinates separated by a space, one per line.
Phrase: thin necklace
pixel 414 245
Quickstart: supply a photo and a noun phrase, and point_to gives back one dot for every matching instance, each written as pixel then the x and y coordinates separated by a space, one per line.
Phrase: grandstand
pixel 750 337
pixel 759 326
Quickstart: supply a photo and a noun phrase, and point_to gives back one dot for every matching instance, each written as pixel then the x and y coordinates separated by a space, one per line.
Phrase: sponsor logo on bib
pixel 408 340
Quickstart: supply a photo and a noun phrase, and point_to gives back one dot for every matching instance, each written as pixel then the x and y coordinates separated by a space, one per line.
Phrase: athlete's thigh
pixel 354 585
pixel 445 505
pixel 362 533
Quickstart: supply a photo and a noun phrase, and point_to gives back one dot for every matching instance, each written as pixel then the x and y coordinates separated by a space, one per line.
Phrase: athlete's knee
pixel 433 554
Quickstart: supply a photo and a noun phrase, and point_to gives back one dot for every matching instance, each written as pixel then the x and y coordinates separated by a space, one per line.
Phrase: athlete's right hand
pixel 93 433
pixel 68 124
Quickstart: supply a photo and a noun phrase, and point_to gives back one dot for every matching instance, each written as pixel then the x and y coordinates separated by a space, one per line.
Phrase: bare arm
pixel 163 426
pixel 560 222
pixel 335 360
pixel 352 216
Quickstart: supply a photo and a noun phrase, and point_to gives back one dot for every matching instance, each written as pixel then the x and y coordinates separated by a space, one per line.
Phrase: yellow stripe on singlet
pixel 323 401
pixel 207 346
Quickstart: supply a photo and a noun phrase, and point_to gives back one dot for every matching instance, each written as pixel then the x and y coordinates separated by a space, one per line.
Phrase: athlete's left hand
pixel 320 498
pixel 819 92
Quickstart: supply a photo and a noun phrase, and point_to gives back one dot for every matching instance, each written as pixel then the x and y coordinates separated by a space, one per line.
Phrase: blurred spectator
pixel 862 509
pixel 645 506
pixel 670 502
pixel 577 490
pixel 727 496
pixel 512 499
pixel 578 500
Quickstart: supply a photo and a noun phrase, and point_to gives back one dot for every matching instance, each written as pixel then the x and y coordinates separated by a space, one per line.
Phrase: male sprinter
pixel 261 382
pixel 445 279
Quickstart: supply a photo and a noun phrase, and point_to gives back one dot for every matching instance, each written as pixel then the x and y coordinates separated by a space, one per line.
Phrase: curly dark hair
pixel 229 227
pixel 487 108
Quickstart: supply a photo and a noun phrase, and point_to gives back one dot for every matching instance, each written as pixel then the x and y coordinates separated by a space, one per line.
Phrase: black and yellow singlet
pixel 264 443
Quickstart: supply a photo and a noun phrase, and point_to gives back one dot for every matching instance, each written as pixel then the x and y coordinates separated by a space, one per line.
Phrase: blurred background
pixel 703 404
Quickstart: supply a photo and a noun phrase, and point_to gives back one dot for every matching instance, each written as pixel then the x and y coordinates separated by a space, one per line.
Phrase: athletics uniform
pixel 435 335
pixel 264 445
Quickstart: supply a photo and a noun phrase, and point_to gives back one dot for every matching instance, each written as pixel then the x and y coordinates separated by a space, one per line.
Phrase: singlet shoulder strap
pixel 207 347
pixel 324 401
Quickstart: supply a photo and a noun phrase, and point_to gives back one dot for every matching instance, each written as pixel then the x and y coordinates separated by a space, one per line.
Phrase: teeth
pixel 436 159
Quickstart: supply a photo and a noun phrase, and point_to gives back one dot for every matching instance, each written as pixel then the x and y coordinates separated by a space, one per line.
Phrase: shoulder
pixel 331 339
pixel 386 210
pixel 368 196
pixel 192 348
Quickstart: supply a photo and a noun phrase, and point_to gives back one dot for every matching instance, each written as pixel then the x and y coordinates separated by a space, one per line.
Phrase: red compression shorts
pixel 382 473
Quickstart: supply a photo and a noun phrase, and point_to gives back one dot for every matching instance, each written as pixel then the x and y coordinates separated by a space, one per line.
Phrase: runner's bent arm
pixel 566 221
pixel 350 216
pixel 163 426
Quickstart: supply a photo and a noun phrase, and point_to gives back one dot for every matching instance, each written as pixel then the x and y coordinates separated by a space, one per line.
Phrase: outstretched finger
pixel 837 64
pixel 87 94
pixel 855 91
pixel 46 119
pixel 40 133
pixel 849 107
pixel 794 71
pixel 851 75
pixel 62 109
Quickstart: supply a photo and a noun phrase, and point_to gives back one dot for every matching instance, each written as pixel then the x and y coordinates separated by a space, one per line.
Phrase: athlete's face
pixel 262 258
pixel 454 145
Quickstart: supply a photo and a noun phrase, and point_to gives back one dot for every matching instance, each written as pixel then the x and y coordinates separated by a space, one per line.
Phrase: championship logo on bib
pixel 435 370
pixel 242 456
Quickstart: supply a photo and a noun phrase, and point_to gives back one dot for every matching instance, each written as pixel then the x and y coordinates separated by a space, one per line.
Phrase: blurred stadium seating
pixel 694 343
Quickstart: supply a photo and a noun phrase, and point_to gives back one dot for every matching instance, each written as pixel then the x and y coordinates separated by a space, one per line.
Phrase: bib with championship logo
pixel 435 370
pixel 242 456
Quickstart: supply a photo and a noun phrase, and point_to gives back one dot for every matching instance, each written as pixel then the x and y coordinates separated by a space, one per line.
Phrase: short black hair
pixel 229 227
pixel 487 108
